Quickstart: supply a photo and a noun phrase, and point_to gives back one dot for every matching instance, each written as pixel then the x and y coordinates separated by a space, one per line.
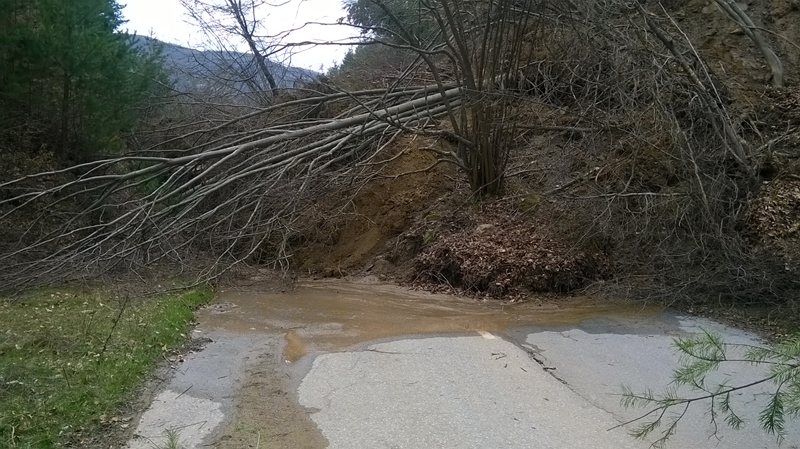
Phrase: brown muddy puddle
pixel 332 315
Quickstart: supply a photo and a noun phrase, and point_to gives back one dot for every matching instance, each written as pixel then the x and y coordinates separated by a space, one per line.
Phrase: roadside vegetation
pixel 70 358
pixel 72 87
pixel 700 356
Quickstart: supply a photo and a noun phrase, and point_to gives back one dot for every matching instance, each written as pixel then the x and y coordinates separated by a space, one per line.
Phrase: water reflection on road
pixel 379 365
pixel 331 315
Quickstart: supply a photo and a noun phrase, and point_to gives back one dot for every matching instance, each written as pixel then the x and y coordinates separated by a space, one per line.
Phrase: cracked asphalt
pixel 450 392
pixel 371 366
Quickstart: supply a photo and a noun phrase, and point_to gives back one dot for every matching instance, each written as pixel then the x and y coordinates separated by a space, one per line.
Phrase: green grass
pixel 69 357
pixel 173 440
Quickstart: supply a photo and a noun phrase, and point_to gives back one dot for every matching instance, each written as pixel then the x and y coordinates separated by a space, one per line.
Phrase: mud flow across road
pixel 360 365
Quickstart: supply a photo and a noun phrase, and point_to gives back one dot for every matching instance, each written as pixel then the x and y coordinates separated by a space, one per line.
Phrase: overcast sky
pixel 167 21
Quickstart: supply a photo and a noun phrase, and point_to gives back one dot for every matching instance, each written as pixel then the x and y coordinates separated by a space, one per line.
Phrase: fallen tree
pixel 651 153
pixel 143 207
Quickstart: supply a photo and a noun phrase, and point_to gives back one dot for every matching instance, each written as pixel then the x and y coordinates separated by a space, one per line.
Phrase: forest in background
pixel 72 88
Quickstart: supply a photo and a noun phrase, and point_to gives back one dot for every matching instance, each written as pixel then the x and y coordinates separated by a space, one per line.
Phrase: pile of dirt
pixel 348 229
pixel 414 221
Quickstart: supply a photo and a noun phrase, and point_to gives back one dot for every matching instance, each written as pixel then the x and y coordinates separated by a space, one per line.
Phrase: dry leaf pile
pixel 775 216
pixel 498 257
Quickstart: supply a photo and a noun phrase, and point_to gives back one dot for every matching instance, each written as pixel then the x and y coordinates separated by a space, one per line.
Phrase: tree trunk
pixel 247 34
pixel 64 137
pixel 743 20
pixel 262 65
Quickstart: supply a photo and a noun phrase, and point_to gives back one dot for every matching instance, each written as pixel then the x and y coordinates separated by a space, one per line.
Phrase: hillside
pixel 612 185
pixel 626 150
pixel 224 73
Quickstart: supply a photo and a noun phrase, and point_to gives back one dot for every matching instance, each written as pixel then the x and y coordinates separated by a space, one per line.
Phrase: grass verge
pixel 69 358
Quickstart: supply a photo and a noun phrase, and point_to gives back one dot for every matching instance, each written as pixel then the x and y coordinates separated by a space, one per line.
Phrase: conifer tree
pixel 70 80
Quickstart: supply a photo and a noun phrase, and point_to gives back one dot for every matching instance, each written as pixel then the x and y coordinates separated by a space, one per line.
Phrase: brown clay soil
pixel 267 415
pixel 354 227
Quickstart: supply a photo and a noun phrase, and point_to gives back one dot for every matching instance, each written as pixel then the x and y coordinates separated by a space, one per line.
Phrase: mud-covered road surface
pixel 364 365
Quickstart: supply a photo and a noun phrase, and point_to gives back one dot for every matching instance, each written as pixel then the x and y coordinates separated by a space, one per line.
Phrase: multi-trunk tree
pixel 483 44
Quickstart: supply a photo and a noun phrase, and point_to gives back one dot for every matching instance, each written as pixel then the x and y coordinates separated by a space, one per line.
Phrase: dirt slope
pixel 544 233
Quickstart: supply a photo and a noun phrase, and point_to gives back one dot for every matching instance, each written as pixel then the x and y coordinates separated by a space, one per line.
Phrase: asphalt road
pixel 450 392
pixel 555 389
pixel 376 371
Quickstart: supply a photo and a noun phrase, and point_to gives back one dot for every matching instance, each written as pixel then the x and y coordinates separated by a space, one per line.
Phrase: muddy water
pixel 332 315
pixel 594 346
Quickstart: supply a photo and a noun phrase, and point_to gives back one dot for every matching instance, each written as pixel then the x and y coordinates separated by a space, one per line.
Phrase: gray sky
pixel 167 21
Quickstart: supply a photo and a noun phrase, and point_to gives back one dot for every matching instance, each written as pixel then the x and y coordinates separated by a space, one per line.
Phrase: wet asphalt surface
pixel 375 366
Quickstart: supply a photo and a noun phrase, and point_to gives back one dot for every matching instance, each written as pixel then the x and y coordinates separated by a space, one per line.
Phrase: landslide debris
pixel 346 229
pixel 503 254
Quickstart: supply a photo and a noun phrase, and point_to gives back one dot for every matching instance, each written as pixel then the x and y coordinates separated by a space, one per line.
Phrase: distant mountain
pixel 228 74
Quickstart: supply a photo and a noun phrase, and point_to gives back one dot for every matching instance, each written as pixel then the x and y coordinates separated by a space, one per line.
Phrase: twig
pixel 688 401
pixel 114 326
